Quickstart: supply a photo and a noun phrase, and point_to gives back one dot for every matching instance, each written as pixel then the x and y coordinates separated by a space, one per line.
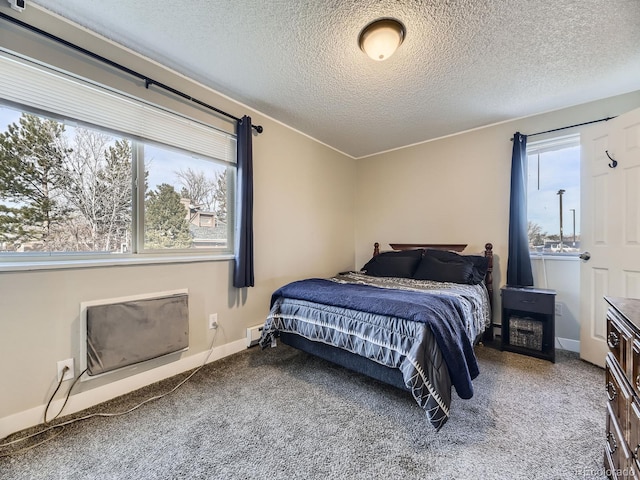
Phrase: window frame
pixel 547 145
pixel 10 261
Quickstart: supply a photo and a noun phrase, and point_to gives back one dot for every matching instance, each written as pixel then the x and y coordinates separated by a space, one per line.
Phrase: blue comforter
pixel 442 314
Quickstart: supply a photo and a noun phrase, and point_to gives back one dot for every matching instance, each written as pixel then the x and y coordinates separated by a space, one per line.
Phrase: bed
pixel 409 318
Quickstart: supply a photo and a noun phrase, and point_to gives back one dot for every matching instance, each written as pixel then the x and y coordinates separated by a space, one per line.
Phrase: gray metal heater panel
pixel 122 334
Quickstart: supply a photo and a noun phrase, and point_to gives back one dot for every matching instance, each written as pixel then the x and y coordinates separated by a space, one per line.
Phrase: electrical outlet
pixel 69 374
pixel 18 5
pixel 558 309
pixel 213 320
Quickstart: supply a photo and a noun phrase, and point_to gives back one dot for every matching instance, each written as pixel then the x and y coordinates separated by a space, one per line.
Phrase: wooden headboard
pixel 456 247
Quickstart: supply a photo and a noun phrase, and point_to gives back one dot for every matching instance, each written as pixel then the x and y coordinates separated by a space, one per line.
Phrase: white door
pixel 610 225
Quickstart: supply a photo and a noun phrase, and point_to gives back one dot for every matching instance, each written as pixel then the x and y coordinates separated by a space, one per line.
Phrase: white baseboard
pixel 568 344
pixel 29 418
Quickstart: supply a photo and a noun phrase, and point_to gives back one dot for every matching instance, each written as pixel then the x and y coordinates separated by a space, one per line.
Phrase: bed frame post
pixel 488 282
pixel 376 249
pixel 488 278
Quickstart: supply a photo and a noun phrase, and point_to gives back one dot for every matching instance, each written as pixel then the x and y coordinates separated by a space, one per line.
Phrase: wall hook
pixel 614 162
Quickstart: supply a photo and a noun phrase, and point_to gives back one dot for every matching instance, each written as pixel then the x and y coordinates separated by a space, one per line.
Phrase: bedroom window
pixel 178 182
pixel 89 173
pixel 553 196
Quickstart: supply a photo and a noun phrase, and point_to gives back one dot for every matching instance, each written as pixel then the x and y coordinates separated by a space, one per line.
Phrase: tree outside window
pixel 70 189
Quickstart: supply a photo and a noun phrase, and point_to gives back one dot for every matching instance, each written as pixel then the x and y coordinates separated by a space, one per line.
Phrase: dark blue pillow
pixel 447 266
pixel 430 268
pixel 480 266
pixel 401 264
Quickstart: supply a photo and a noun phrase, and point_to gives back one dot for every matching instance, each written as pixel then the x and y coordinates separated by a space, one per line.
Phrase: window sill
pixel 554 257
pixel 64 264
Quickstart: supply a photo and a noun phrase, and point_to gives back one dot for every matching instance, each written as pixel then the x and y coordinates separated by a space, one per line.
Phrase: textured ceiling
pixel 464 64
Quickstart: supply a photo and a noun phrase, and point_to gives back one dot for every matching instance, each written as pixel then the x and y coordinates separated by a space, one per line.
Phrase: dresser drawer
pixel 534 301
pixel 618 340
pixel 619 394
pixel 634 433
pixel 622 377
pixel 616 450
pixel 635 366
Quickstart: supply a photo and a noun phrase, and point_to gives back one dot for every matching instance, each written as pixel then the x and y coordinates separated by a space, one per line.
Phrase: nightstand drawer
pixel 534 301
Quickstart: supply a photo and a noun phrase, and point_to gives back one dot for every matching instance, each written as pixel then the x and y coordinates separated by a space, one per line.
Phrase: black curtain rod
pixel 147 81
pixel 570 126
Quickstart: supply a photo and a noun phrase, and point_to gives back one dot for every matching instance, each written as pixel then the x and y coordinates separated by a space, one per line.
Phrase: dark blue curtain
pixel 519 263
pixel 243 271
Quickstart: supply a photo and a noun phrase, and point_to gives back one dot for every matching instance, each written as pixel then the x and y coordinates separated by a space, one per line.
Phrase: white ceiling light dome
pixel 381 38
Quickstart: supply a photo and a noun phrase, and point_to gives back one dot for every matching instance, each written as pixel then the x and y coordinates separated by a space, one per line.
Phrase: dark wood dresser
pixel 622 451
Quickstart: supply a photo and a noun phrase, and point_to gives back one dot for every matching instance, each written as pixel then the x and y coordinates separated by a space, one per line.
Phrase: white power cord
pixel 86 417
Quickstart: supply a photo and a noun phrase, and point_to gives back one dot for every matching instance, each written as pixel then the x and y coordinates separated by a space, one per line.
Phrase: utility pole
pixel 560 193
pixel 573 210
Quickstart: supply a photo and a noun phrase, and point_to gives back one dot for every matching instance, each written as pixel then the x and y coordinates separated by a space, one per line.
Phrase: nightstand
pixel 528 321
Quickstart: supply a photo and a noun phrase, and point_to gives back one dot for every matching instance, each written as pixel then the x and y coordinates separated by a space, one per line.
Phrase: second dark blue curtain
pixel 519 263
pixel 243 268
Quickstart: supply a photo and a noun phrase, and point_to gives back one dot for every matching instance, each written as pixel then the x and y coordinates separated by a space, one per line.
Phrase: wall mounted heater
pixel 253 335
pixel 120 332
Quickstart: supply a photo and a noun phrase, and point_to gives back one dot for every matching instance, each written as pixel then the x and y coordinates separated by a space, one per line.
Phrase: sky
pixel 7 116
pixel 558 170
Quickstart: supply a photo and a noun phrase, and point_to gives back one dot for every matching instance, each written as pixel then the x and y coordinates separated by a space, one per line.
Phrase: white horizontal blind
pixel 34 85
pixel 552 144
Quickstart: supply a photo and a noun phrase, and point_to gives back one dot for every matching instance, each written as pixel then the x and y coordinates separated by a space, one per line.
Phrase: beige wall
pixel 562 275
pixel 456 189
pixel 303 226
pixel 308 222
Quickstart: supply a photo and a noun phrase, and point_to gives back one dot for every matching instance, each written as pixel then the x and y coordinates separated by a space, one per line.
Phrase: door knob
pixel 585 256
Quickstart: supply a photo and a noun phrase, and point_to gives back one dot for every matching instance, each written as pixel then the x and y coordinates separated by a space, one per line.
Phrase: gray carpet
pixel 280 413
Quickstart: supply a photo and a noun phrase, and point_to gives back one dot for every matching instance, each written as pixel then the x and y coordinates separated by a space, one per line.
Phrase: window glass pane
pixel 553 198
pixel 186 201
pixel 69 188
pixel 63 189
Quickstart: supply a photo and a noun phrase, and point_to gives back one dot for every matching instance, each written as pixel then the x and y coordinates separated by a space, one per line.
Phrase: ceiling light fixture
pixel 381 38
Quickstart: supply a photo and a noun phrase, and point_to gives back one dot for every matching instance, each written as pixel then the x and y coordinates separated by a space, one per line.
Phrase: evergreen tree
pixel 116 175
pixel 165 221
pixel 31 156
